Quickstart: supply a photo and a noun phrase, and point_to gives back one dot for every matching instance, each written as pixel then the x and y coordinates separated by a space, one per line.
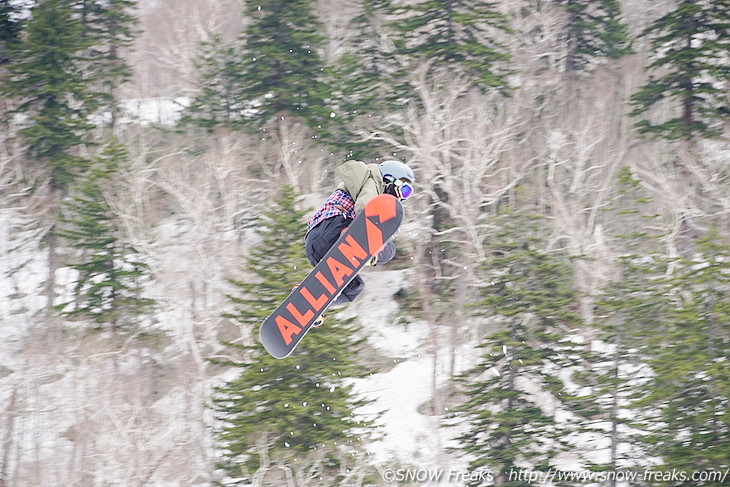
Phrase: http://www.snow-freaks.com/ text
pixel 549 476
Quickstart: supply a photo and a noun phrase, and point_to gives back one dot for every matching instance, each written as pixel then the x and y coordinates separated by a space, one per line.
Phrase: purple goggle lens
pixel 405 190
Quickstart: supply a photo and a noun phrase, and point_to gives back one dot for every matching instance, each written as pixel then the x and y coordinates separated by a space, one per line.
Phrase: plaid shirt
pixel 338 203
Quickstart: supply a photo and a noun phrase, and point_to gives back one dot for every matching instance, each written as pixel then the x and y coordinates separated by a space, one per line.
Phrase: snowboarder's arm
pixel 368 192
pixel 357 180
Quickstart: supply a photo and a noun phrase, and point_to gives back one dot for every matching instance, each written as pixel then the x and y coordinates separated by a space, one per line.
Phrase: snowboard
pixel 283 329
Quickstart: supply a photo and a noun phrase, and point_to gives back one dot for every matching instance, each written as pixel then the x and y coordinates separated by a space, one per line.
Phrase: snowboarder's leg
pixel 351 291
pixel 318 242
pixel 322 237
pixel 387 254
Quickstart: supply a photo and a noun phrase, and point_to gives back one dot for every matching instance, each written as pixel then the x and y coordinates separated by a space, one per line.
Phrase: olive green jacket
pixel 361 181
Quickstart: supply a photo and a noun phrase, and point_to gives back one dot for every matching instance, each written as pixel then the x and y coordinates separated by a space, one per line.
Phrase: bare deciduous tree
pixel 584 146
pixel 170 33
pixel 285 153
pixel 460 144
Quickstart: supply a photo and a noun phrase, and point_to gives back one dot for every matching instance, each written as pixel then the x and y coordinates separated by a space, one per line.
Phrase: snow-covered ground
pixel 159 111
pixel 407 385
pixel 23 270
pixel 410 440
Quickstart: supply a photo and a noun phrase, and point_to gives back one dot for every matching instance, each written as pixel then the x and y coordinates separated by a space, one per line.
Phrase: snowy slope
pixel 23 269
pixel 410 439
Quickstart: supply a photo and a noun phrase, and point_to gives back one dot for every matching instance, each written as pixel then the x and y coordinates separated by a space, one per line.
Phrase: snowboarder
pixel 359 183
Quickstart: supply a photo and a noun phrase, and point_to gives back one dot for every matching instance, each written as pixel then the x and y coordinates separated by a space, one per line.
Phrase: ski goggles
pixel 403 189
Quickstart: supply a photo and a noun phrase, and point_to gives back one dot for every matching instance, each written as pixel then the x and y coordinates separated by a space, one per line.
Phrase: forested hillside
pixel 559 308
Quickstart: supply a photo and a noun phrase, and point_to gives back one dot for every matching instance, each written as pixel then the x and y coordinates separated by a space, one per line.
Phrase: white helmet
pixel 398 179
pixel 393 170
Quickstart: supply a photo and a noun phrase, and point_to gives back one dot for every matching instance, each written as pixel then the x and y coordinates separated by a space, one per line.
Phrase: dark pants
pixel 322 237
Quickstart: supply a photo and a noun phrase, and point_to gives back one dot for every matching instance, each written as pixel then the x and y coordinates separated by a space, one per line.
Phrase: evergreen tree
pixel 690 71
pixel 292 417
pixel 282 42
pixel 108 286
pixel 368 26
pixel 630 310
pixel 51 90
pixel 365 81
pixel 594 29
pixel 279 72
pixel 688 397
pixel 10 27
pixel 283 70
pixel 530 296
pixel 219 101
pixel 356 101
pixel 676 328
pixel 459 37
pixel 109 27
